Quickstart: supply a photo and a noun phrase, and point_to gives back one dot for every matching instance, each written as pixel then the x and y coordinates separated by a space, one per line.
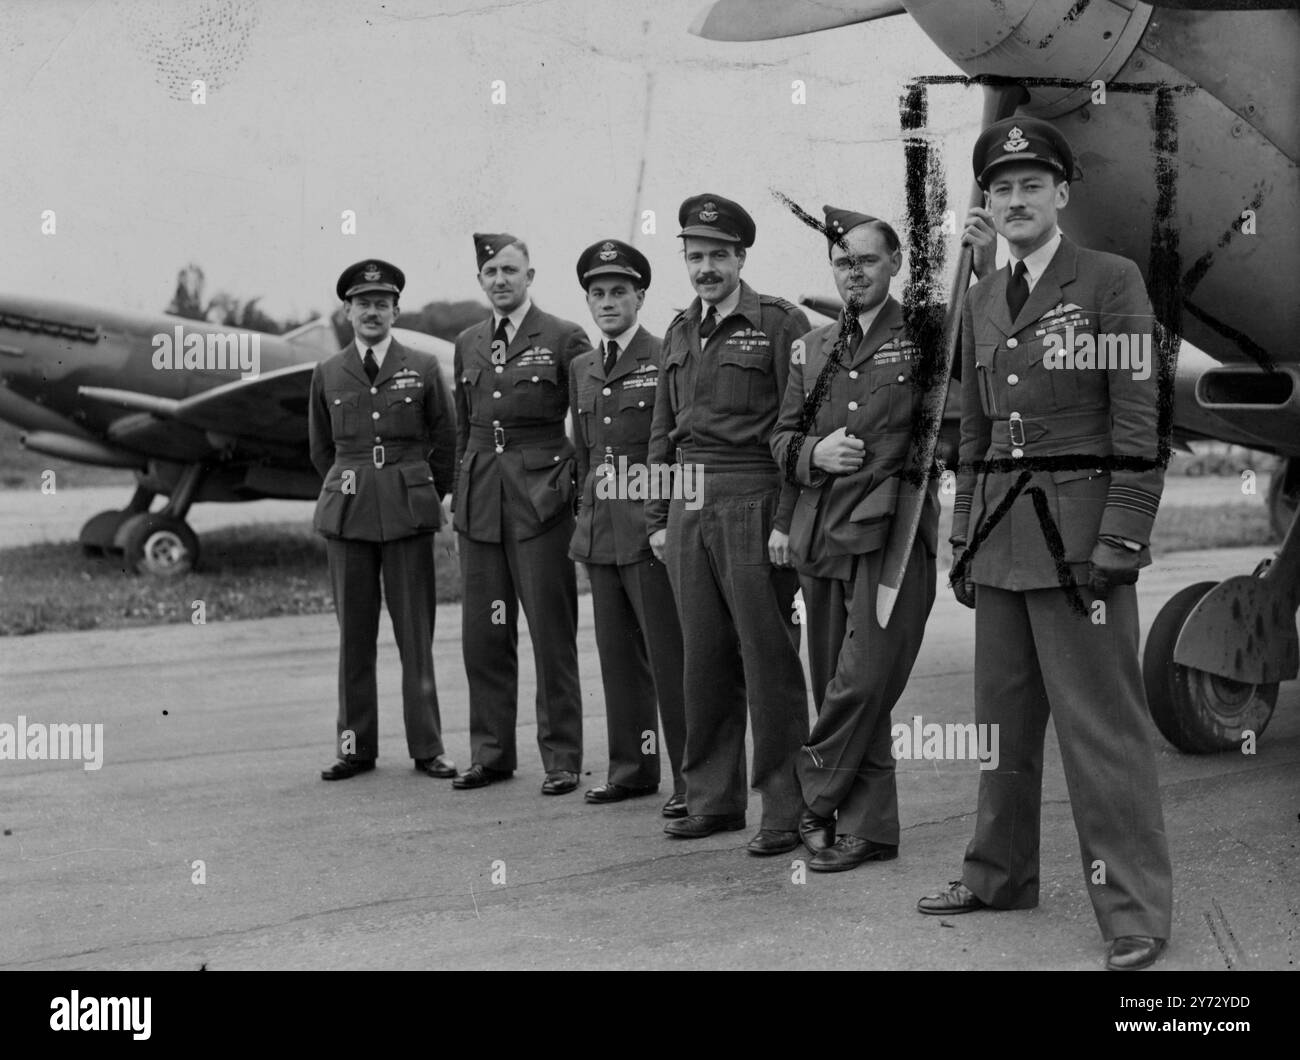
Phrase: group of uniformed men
pixel 800 436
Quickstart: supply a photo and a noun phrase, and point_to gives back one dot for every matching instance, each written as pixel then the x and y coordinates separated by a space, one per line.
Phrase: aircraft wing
pixel 266 413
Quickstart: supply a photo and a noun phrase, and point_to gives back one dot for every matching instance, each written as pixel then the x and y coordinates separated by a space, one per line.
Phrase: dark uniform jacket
pixel 719 409
pixel 1061 411
pixel 872 396
pixel 510 427
pixel 611 419
pixel 396 437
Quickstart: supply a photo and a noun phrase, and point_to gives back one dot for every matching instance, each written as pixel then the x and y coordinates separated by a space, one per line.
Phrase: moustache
pixel 708 277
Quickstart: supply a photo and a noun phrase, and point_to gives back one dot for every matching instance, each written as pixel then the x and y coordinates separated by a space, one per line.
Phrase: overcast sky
pixel 385 109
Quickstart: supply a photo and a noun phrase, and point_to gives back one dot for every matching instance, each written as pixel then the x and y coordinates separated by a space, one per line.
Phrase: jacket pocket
pixel 405 413
pixel 331 505
pixel 878 504
pixel 548 478
pixel 421 496
pixel 1079 497
pixel 743 379
pixel 343 413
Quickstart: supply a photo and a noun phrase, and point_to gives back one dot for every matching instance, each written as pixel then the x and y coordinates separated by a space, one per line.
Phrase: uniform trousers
pixel 846 768
pixel 498 577
pixel 406 567
pixel 741 650
pixel 1035 655
pixel 639 640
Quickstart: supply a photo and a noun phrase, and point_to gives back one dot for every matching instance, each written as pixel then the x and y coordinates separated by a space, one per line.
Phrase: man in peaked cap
pixel 638 637
pixel 382 438
pixel 844 444
pixel 513 507
pixel 1043 420
pixel 726 361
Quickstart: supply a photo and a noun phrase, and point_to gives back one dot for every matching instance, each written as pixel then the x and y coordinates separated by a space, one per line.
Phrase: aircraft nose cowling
pixel 1061 40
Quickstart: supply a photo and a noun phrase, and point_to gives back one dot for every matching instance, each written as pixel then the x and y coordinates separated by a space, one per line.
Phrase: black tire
pixel 1282 501
pixel 158 545
pixel 1196 711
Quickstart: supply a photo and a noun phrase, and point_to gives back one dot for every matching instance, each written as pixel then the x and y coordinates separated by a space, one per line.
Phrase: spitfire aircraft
pixel 1189 169
pixel 103 388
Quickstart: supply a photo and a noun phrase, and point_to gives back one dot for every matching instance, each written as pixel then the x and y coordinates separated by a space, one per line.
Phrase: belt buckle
pixel 1016 426
pixel 499 439
pixel 377 455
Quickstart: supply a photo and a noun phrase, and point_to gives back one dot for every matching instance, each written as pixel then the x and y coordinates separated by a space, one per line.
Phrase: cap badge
pixel 1015 140
pixel 607 252
pixel 371 274
pixel 709 212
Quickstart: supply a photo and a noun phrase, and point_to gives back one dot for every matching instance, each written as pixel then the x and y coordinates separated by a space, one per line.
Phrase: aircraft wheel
pixel 158 545
pixel 1196 711
pixel 1283 498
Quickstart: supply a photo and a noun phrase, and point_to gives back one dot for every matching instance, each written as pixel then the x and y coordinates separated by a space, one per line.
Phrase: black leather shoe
pixel 816 832
pixel 477 776
pixel 559 782
pixel 345 770
pixel 617 793
pixel 769 841
pixel 955 898
pixel 849 852
pixel 440 767
pixel 1131 952
pixel 676 806
pixel 699 825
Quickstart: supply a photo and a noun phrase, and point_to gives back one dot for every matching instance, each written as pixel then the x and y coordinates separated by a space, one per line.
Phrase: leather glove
pixel 959 578
pixel 1111 564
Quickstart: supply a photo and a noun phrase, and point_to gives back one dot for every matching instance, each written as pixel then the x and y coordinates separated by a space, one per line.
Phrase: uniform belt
pixel 634 453
pixel 381 455
pixel 738 458
pixel 502 437
pixel 1047 433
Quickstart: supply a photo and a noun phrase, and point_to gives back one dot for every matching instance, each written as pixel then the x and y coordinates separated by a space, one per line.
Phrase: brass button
pixel 902 378
pixel 640 404
pixel 338 401
pixel 374 390
pixel 1017 453
pixel 608 420
pixel 607 391
pixel 378 439
pixel 374 415
pixel 1012 343
pixel 1013 379
pixel 853 406
pixel 496 393
pixel 500 368
pixel 853 374
pixel 408 401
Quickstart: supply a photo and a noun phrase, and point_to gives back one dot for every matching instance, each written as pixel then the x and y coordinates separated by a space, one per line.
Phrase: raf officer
pixel 843 437
pixel 612 397
pixel 514 501
pixel 1057 490
pixel 726 361
pixel 382 438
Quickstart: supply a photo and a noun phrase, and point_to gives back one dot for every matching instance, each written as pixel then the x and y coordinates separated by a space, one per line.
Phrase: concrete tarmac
pixel 213 737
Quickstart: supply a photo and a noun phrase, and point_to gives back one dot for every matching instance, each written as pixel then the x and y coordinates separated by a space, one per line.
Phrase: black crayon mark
pixel 1056 548
pixel 1164 266
pixel 926 197
pixel 1145 88
pixel 1253 349
pixel 1075 11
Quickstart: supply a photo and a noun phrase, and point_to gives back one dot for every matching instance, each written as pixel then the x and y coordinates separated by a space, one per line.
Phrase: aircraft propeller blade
pixel 747 20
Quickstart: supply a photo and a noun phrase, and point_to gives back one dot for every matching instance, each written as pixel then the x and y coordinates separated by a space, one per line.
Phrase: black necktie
pixel 709 323
pixel 1017 289
pixel 371 365
pixel 611 356
pixel 500 334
